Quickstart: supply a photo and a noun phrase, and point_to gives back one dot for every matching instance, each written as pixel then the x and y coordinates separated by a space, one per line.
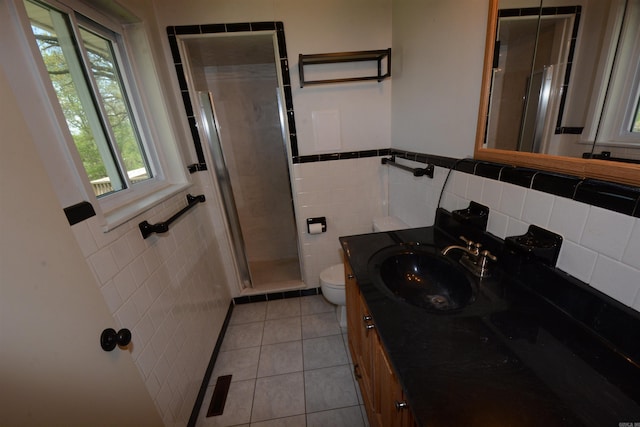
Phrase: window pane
pixel 59 52
pixel 106 74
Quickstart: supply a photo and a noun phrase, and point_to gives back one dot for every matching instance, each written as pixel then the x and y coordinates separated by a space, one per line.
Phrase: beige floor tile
pixel 242 364
pixel 329 388
pixel 282 358
pixel 281 330
pixel 247 313
pixel 320 325
pixel 278 396
pixel 315 304
pixel 297 421
pixel 342 417
pixel 243 336
pixel 237 409
pixel 282 308
pixel 323 352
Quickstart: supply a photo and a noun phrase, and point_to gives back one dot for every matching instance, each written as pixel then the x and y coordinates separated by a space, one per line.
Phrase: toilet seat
pixel 333 276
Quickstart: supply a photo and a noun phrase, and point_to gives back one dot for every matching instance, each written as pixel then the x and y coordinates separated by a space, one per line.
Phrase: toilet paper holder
pixel 318 220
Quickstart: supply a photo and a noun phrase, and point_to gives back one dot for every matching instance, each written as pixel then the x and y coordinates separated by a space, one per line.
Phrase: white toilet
pixel 332 278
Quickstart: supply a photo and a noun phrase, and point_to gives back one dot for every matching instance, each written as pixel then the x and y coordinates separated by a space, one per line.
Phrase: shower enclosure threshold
pixel 292 285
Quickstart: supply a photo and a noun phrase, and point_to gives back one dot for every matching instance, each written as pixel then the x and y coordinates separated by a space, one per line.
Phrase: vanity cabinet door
pixel 360 344
pixel 394 411
pixel 378 383
pixel 352 295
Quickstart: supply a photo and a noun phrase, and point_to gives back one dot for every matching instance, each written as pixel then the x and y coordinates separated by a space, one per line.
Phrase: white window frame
pixel 624 91
pixel 62 160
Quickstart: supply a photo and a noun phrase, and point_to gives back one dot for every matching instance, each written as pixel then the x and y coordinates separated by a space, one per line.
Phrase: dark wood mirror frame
pixel 626 173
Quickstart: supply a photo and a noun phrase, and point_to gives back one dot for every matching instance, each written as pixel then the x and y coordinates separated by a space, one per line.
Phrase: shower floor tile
pixel 269 272
pixel 290 368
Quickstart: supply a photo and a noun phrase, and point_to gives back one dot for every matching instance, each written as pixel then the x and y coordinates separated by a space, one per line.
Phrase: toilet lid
pixel 333 275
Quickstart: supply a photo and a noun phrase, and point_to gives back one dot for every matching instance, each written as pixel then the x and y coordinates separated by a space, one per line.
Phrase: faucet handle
pixel 471 245
pixel 488 255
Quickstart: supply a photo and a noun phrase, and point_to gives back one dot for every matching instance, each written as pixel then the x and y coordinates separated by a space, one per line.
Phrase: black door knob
pixel 110 338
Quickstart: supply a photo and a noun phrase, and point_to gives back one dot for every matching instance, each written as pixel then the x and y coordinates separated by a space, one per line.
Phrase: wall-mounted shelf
pixel 333 58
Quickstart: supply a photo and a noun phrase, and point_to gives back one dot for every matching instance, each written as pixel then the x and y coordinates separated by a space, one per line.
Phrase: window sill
pixel 121 215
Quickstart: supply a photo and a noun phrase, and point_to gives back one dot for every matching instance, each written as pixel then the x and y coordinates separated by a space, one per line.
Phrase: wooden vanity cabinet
pixel 383 397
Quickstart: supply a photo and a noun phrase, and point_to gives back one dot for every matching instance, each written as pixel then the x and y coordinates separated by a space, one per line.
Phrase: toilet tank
pixel 388 223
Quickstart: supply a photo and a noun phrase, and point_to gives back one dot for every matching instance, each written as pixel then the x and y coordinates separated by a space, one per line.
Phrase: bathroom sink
pixel 422 278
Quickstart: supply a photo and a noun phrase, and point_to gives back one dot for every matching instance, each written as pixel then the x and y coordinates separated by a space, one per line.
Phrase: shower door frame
pixel 286 116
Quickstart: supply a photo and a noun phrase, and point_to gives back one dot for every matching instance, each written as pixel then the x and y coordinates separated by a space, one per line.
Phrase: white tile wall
pixel 349 193
pixel 600 247
pixel 414 199
pixel 170 290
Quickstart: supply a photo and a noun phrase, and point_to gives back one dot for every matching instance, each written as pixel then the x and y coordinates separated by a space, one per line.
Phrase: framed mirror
pixel 555 73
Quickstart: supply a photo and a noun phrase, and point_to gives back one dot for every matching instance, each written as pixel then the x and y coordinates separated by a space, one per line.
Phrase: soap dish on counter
pixel 537 242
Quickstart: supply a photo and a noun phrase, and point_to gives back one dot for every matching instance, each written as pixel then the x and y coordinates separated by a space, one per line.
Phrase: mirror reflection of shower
pixel 237 81
pixel 528 77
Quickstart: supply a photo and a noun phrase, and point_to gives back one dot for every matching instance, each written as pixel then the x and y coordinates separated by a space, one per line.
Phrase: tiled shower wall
pixel 169 291
pixel 600 247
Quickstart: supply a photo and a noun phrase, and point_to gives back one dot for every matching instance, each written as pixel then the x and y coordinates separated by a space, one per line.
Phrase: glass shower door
pixel 208 121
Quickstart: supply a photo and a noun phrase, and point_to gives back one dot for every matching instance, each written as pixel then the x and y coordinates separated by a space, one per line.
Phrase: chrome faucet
pixel 473 259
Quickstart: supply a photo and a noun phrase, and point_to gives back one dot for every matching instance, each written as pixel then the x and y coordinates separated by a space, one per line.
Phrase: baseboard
pixel 207 375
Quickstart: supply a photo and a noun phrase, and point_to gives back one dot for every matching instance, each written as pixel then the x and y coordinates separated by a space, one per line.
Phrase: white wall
pixel 349 193
pixel 52 369
pixel 438 51
pixel 170 290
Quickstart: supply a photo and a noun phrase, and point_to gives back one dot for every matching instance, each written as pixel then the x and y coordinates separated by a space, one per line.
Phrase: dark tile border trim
pixel 247 299
pixel 550 11
pixel 207 374
pixel 278 27
pixel 442 161
pixel 79 212
pixel 341 156
pixel 615 197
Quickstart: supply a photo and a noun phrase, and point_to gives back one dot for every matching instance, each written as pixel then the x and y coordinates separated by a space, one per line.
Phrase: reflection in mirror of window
pixel 86 76
pixel 636 120
pixel 620 123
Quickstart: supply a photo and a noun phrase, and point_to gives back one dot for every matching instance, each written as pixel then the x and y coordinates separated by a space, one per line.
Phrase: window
pixel 620 123
pixel 88 70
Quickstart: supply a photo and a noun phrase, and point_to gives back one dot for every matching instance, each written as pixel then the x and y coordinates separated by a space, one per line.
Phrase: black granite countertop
pixel 516 356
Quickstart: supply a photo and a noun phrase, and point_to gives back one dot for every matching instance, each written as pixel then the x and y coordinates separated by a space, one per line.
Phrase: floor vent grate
pixel 216 407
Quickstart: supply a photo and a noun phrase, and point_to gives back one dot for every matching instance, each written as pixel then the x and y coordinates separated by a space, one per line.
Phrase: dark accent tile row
pixel 340 156
pixel 615 197
pixel 556 184
pixel 79 212
pixel 620 198
pixel 277 295
pixel 489 170
pixel 518 176
pixel 172 31
pixel 442 161
pixel 570 130
pixel 196 167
